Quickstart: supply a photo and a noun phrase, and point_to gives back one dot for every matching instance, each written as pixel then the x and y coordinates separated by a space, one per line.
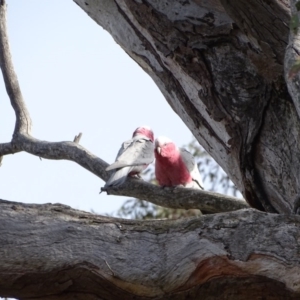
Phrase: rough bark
pixel 292 56
pixel 69 254
pixel 220 65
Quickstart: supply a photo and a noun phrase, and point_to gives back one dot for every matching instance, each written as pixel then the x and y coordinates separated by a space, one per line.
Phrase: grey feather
pixel 134 156
pixel 192 167
pixel 118 177
pixel 134 152
pixel 188 159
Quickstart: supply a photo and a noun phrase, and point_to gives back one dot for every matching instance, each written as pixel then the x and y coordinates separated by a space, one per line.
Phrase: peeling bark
pixel 70 254
pixel 220 65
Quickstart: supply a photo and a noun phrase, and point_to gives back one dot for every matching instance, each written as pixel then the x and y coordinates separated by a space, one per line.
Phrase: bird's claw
pixel 136 176
pixel 103 189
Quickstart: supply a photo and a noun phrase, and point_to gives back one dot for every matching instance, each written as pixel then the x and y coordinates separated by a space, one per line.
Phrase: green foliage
pixel 214 178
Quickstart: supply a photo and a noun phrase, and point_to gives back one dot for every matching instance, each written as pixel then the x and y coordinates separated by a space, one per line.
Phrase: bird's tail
pixel 197 185
pixel 196 179
pixel 118 177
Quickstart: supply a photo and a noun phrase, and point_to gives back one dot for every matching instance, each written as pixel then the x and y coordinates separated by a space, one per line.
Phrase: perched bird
pixel 174 166
pixel 133 157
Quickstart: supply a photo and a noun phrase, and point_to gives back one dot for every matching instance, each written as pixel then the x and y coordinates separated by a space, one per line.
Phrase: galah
pixel 175 166
pixel 133 157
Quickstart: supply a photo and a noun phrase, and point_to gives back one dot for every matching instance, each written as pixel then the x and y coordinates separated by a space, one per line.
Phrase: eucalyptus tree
pixel 229 69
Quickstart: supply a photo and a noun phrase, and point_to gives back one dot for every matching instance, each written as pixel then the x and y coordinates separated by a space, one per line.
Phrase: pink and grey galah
pixel 175 166
pixel 133 157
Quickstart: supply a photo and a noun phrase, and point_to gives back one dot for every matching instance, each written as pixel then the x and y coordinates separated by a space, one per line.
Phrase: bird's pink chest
pixel 171 171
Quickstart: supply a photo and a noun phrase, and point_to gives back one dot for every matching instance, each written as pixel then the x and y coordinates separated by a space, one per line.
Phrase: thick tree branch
pixel 42 257
pixel 23 121
pixel 178 197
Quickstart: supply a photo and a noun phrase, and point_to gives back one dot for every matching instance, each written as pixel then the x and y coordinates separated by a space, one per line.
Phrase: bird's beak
pixel 158 149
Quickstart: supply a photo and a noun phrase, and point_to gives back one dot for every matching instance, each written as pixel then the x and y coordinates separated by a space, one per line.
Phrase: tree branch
pixel 167 197
pixel 9 148
pixel 178 197
pixel 23 121
pixel 57 151
pixel 42 246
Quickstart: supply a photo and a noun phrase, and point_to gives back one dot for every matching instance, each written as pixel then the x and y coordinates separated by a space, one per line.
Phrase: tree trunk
pixel 220 65
pixel 55 252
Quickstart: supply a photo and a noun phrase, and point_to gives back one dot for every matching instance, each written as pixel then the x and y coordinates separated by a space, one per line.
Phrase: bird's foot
pixel 136 176
pixel 103 189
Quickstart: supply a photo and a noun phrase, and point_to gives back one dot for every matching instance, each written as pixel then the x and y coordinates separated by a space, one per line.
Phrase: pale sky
pixel 74 78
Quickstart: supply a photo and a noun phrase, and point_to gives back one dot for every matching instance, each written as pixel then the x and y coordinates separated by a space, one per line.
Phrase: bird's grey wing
pixel 145 154
pixel 123 148
pixel 138 152
pixel 192 167
pixel 188 159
